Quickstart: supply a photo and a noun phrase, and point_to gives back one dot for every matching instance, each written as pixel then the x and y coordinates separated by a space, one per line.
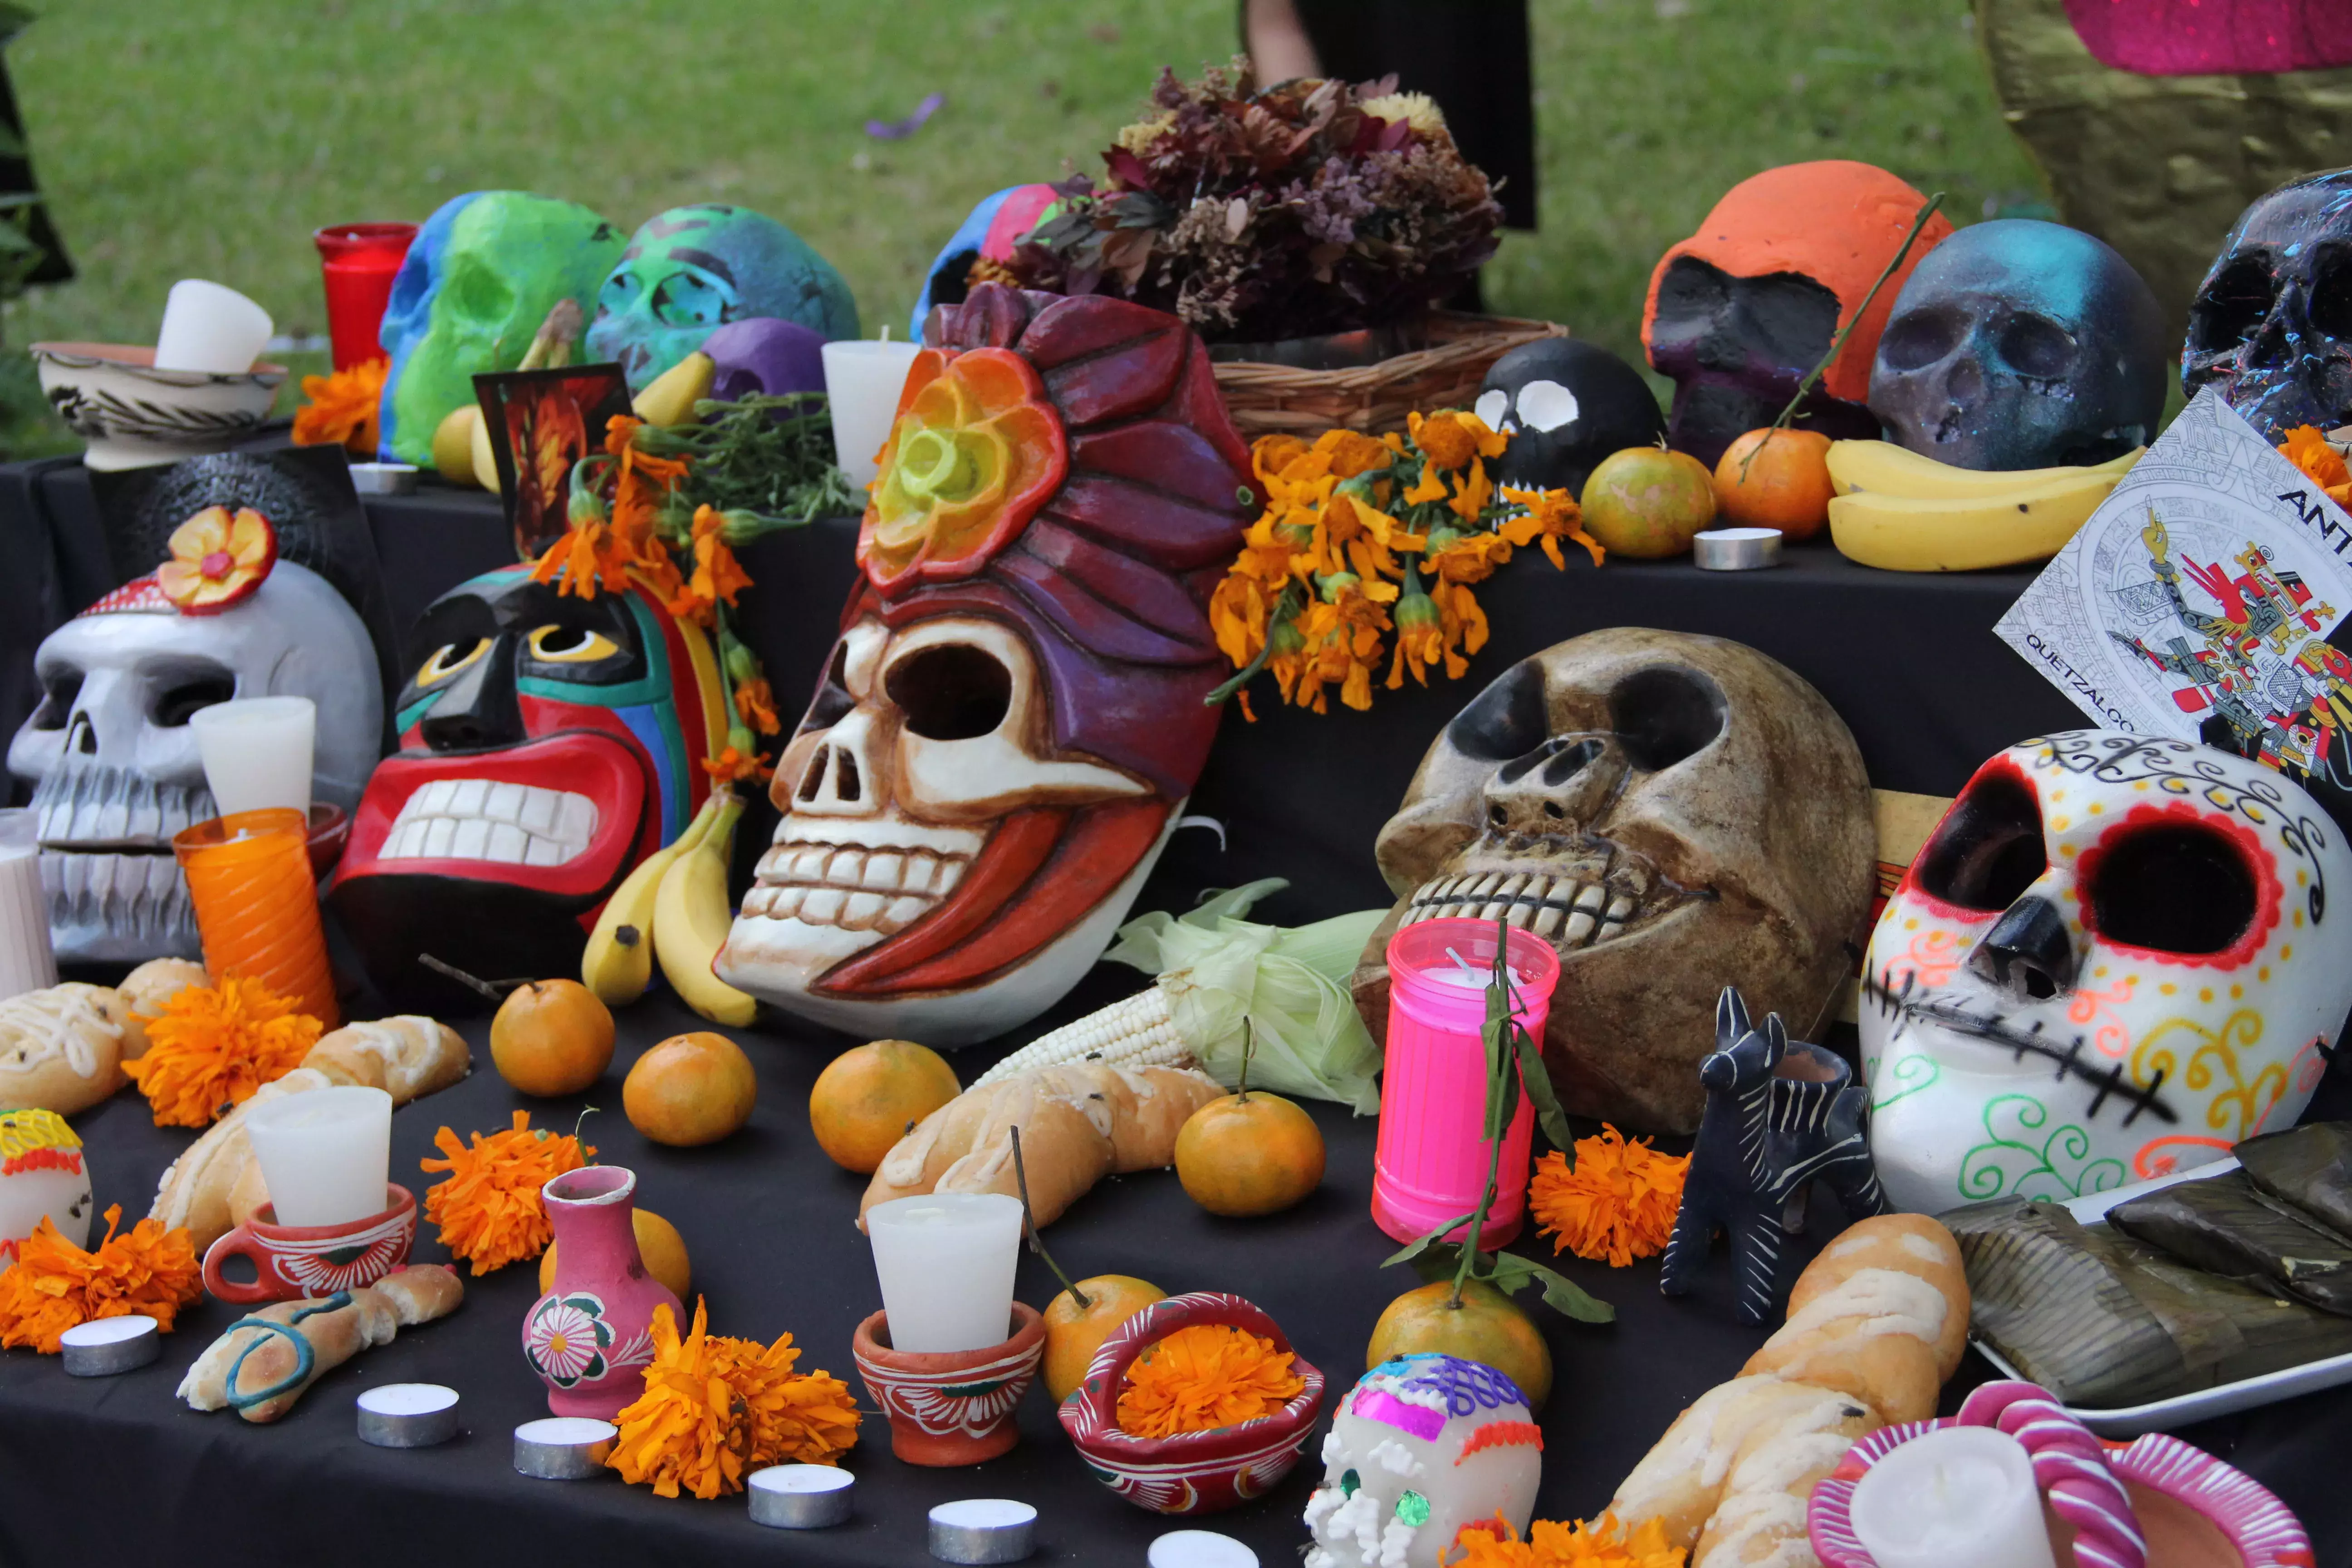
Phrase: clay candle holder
pixel 359 261
pixel 294 1263
pixel 1192 1472
pixel 256 903
pixel 953 1407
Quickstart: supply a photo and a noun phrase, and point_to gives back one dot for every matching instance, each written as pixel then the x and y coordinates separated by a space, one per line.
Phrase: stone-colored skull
pixel 481 275
pixel 2271 326
pixel 1421 1447
pixel 2109 962
pixel 114 765
pixel 1675 813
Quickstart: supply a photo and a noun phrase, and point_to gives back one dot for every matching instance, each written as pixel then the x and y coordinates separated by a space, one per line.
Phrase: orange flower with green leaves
pixel 343 408
pixel 1548 517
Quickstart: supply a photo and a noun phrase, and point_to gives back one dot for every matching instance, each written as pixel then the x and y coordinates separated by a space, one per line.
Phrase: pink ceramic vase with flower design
pixel 590 1338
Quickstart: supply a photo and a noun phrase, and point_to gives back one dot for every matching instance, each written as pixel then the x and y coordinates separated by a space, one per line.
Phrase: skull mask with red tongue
pixel 1014 712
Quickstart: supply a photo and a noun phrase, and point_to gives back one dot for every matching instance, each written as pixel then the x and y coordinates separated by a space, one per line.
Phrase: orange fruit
pixel 551 1037
pixel 1073 1333
pixel 1786 484
pixel 1249 1154
pixel 658 1242
pixel 1647 502
pixel 869 1096
pixel 690 1089
pixel 1487 1328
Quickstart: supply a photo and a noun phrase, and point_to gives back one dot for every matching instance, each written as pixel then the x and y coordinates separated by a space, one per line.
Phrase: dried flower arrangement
pixel 488 1209
pixel 714 1409
pixel 213 1045
pixel 1304 208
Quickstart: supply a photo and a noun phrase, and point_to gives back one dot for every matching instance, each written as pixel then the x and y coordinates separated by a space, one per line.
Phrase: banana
pixel 1913 534
pixel 1882 466
pixel 691 919
pixel 618 963
pixel 669 398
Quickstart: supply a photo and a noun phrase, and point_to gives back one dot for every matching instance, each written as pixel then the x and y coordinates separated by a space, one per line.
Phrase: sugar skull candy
pixel 1674 814
pixel 2271 326
pixel 1014 712
pixel 42 1176
pixel 2108 962
pixel 1421 1447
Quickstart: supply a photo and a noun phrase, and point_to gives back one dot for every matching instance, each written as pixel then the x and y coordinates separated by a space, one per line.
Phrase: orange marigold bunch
pixel 1603 1544
pixel 343 408
pixel 1364 536
pixel 714 1409
pixel 54 1285
pixel 213 1045
pixel 488 1209
pixel 1205 1376
pixel 1617 1202
pixel 2307 447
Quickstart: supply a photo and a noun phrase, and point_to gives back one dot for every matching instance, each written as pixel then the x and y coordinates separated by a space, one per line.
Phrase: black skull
pixel 1566 405
pixel 1738 348
pixel 2271 327
pixel 2019 345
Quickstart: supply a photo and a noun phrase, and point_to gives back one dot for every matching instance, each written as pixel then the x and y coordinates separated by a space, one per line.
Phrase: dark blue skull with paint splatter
pixel 2271 327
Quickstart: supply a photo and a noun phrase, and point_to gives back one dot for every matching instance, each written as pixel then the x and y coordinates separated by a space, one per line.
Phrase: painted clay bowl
pixel 130 414
pixel 950 1407
pixel 2155 1502
pixel 1193 1472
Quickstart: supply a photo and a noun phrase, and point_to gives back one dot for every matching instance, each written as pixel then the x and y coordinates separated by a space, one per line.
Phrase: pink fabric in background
pixel 2198 38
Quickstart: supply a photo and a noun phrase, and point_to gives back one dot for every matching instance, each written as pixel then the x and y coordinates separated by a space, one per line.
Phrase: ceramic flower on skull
pixel 217 559
pixel 1013 715
pixel 2110 961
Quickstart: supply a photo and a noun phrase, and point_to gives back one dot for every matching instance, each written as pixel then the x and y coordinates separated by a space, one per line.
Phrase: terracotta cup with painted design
pixel 590 1338
pixel 297 1262
pixel 950 1407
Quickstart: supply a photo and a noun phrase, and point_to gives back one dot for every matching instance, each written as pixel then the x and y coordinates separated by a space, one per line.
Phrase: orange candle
pixel 257 904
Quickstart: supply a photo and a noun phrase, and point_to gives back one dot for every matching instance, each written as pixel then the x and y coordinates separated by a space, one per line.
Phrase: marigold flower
pixel 1202 1376
pixel 54 1285
pixel 2307 447
pixel 342 407
pixel 213 1045
pixel 1603 1544
pixel 1429 487
pixel 716 575
pixel 1617 1202
pixel 1451 437
pixel 757 705
pixel 1421 639
pixel 1352 452
pixel 1551 517
pixel 733 765
pixel 715 1408
pixel 488 1209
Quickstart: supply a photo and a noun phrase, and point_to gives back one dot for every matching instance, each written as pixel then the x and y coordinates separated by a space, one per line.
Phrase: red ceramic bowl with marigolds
pixel 1194 1404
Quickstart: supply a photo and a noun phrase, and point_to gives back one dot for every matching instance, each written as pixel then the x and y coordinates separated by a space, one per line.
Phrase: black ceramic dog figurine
pixel 1779 1115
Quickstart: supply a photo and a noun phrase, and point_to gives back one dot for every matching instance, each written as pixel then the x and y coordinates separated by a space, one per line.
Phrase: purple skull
pixel 2271 327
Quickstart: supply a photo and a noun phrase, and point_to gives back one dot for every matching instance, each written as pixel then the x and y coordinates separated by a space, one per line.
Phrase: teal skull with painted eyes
pixel 693 269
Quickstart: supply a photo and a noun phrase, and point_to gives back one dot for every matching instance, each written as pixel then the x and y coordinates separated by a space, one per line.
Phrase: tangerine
pixel 870 1095
pixel 1249 1154
pixel 1485 1326
pixel 1786 485
pixel 1648 502
pixel 691 1089
pixel 1074 1333
pixel 551 1037
pixel 658 1243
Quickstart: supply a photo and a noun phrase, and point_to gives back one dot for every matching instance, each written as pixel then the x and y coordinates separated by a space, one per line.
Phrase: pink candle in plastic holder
pixel 1431 1165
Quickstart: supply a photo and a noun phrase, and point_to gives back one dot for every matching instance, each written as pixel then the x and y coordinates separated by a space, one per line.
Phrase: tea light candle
pixel 256 752
pixel 983 1530
pixel 945 1261
pixel 210 327
pixel 1735 548
pixel 105 1346
pixel 408 1415
pixel 1200 1548
pixel 801 1497
pixel 326 1155
pixel 562 1448
pixel 384 479
pixel 26 961
pixel 1959 1494
pixel 862 382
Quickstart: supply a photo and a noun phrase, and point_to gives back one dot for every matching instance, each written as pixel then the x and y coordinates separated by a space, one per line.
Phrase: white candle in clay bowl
pixel 945 1261
pixel 1956 1495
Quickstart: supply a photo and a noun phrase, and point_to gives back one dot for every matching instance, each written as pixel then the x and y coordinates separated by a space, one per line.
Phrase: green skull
pixel 481 276
pixel 693 269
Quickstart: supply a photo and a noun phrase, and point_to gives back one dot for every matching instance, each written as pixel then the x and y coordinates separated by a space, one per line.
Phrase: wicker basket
pixel 1270 399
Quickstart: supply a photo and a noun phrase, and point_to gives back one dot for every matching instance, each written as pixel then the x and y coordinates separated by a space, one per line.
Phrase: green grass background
pixel 208 138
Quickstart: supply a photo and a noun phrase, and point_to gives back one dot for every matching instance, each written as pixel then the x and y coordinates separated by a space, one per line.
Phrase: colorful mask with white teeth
pixel 547 746
pixel 1421 1447
pixel 2109 962
pixel 1674 814
pixel 1013 713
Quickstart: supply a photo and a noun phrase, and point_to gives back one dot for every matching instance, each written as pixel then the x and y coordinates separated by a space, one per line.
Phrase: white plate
pixel 2227 1399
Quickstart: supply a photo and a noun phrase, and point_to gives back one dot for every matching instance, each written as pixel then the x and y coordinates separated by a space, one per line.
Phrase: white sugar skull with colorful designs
pixel 1423 1446
pixel 42 1176
pixel 2110 961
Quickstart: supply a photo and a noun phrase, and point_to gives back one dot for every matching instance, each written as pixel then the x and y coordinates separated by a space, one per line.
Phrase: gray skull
pixel 2017 345
pixel 2271 327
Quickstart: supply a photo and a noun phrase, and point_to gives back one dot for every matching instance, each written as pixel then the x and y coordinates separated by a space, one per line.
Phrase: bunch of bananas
pixel 1898 511
pixel 674 907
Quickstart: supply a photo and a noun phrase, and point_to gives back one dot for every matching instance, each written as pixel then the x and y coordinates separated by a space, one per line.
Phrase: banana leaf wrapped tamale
pixel 2224 1225
pixel 2309 1168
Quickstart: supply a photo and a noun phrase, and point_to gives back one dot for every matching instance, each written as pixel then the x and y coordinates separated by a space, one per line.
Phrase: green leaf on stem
pixel 1511 1274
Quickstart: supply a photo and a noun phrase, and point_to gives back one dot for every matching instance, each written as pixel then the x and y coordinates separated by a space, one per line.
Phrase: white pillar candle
pixel 210 327
pixel 1959 1494
pixel 946 1261
pixel 26 961
pixel 257 751
pixel 862 382
pixel 326 1155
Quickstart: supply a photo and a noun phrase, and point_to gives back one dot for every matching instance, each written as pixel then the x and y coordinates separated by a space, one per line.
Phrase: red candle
pixel 360 260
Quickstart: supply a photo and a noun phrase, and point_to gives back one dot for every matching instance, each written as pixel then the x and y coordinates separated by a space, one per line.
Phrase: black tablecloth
pixel 109 1468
